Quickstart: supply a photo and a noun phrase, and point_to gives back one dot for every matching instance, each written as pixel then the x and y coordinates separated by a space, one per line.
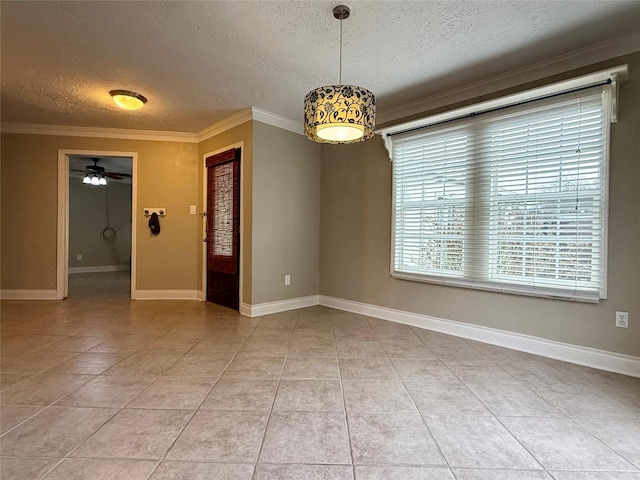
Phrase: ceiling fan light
pixel 86 179
pixel 95 180
pixel 102 181
pixel 127 99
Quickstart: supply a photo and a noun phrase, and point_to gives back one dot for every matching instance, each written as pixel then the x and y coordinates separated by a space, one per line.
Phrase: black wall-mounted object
pixel 154 224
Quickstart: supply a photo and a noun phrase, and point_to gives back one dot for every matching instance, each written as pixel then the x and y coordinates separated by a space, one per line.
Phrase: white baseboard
pixel 279 306
pixel 589 357
pixel 29 294
pixel 99 269
pixel 166 295
pixel 245 309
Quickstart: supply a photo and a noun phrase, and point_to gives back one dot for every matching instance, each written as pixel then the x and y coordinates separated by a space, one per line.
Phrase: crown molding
pixel 245 115
pixel 537 71
pixel 97 132
pixel 228 123
pixel 614 75
pixel 561 64
pixel 277 120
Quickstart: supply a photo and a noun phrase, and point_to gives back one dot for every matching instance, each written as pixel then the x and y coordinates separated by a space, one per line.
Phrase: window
pixel 513 200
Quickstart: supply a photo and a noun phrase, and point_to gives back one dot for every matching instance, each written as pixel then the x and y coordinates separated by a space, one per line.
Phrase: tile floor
pixel 114 389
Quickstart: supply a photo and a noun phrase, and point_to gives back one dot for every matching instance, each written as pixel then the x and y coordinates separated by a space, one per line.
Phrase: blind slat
pixel 512 201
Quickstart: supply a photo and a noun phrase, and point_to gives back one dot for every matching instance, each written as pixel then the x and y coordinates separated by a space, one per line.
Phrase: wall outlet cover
pixel 622 319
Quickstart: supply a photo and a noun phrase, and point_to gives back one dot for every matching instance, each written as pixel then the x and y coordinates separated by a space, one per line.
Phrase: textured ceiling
pixel 199 62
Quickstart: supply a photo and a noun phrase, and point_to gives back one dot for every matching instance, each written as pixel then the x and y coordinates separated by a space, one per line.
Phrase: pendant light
pixel 339 113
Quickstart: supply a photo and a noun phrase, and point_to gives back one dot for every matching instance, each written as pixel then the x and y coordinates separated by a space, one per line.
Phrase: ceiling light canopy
pixel 127 99
pixel 339 113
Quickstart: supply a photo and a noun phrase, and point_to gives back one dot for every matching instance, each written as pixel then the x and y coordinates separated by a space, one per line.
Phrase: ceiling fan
pixel 96 174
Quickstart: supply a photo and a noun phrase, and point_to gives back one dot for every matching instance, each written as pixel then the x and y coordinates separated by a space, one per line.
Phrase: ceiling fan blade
pixel 122 174
pixel 115 176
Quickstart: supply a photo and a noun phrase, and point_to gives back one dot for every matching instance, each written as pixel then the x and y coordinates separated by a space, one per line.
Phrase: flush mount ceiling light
pixel 128 100
pixel 339 113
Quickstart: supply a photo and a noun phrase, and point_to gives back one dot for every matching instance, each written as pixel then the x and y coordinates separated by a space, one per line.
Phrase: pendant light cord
pixel 341 19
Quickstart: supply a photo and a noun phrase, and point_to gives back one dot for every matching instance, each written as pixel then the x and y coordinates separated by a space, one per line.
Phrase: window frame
pixel 521 288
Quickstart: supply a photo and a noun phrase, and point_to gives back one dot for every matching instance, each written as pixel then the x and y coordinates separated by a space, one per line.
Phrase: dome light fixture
pixel 339 113
pixel 127 99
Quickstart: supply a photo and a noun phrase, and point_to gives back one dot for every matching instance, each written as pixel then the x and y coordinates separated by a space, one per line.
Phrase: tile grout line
pixel 586 380
pixel 574 421
pixel 344 405
pixel 516 379
pixel 45 407
pixel 491 411
pixel 120 409
pixel 266 424
pixel 44 372
pixel 498 419
pixel 159 462
pixel 55 404
pixel 424 422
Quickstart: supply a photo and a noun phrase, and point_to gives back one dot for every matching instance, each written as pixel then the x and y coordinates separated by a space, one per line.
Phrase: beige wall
pixel 280 210
pixel 282 184
pixel 168 177
pixel 356 240
pixel 321 214
pixel 241 133
pixel 286 214
pixel 88 219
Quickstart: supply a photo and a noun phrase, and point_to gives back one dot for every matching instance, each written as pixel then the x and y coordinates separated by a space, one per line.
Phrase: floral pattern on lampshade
pixel 339 104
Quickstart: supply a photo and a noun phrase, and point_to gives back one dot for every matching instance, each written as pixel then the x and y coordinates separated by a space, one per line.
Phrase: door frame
pixel 240 145
pixel 62 255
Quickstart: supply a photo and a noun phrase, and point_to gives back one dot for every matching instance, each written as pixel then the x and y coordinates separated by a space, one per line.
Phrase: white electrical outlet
pixel 622 319
pixel 287 279
pixel 79 257
pixel 192 209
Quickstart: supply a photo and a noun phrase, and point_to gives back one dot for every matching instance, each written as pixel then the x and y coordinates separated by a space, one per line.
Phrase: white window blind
pixel 513 200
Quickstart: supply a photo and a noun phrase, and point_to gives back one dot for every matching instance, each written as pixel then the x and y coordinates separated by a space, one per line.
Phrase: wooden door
pixel 223 228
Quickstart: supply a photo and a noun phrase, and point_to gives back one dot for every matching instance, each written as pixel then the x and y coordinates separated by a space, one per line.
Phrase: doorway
pixel 96 219
pixel 223 228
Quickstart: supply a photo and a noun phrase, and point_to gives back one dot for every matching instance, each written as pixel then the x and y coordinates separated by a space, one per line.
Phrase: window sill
pixel 548 293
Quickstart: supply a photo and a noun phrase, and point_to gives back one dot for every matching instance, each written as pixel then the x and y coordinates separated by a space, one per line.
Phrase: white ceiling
pixel 199 62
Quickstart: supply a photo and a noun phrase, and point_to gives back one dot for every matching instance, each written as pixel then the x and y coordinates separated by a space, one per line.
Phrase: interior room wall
pixel 240 133
pixel 88 219
pixel 355 244
pixel 286 214
pixel 167 177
